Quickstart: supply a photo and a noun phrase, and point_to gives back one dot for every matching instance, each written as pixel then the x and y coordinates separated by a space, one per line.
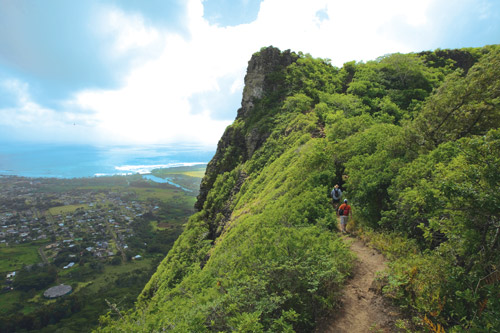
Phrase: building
pixel 71 264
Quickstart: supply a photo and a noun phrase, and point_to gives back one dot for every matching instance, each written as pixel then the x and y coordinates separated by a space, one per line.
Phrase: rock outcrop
pixel 238 143
pixel 258 80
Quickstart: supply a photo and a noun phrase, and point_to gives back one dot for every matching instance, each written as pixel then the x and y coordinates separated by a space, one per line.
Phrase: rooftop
pixel 57 291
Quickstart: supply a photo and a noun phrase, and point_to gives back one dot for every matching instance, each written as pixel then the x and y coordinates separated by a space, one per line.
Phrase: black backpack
pixel 343 210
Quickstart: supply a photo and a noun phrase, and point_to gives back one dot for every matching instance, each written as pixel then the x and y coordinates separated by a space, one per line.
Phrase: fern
pixel 437 328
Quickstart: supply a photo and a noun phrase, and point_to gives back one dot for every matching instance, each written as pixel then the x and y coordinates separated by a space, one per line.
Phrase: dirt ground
pixel 363 308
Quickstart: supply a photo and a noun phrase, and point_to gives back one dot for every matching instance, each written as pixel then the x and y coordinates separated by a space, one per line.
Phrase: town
pixel 85 234
pixel 101 219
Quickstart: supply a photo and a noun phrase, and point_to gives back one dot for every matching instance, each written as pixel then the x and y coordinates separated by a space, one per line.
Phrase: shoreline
pixel 142 170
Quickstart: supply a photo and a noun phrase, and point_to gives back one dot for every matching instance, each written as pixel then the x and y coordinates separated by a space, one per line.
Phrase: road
pixel 42 255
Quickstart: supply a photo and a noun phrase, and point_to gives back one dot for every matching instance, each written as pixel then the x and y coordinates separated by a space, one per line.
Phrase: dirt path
pixel 363 309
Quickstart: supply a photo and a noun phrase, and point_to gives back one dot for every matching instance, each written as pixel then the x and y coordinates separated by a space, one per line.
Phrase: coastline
pixel 73 161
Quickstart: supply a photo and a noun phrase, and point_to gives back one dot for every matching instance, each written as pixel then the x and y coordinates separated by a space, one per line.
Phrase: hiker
pixel 336 195
pixel 344 211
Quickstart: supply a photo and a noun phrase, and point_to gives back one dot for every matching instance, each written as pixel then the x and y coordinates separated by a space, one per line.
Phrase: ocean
pixel 76 161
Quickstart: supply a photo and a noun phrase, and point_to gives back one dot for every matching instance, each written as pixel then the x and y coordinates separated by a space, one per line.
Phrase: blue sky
pixel 171 71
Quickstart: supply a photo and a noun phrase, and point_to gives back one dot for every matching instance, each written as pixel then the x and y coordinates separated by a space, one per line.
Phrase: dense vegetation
pixel 414 141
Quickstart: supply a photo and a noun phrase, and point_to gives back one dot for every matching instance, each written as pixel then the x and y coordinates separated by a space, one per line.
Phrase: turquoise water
pixel 74 161
pixel 164 181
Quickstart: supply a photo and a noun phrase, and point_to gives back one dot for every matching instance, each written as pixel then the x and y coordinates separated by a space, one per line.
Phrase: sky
pixel 110 72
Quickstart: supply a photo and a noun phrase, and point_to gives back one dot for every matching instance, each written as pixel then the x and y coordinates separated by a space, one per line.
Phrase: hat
pixel 345 200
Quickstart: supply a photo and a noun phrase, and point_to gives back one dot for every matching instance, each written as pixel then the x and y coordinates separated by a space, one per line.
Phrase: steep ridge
pixel 262 254
pixel 258 255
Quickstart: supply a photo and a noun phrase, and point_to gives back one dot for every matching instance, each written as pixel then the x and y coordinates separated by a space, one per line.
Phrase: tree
pixel 117 260
pixel 464 106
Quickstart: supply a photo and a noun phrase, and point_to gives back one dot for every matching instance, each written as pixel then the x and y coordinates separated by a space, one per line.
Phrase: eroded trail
pixel 363 309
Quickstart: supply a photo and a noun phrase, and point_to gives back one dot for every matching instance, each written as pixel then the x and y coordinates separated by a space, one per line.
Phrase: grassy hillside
pixel 414 142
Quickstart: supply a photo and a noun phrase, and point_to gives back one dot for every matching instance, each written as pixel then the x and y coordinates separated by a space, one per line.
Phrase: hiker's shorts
pixel 343 220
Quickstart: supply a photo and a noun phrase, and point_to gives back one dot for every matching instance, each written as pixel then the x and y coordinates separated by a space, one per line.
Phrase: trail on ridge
pixel 363 308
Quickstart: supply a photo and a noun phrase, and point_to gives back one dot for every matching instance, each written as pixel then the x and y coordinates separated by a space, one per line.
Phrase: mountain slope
pixel 260 254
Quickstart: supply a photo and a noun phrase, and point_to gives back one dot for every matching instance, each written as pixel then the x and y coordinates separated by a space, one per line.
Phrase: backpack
pixel 336 192
pixel 343 210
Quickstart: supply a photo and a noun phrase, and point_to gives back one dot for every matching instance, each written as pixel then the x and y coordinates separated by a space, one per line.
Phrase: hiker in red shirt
pixel 344 212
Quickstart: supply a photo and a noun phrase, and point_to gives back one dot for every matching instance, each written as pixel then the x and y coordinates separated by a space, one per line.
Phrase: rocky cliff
pixel 238 144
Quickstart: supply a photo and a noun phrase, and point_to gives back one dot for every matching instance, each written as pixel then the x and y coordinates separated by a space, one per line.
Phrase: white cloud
pixel 36 121
pixel 237 86
pixel 171 74
pixel 129 31
pixel 353 30
pixel 153 105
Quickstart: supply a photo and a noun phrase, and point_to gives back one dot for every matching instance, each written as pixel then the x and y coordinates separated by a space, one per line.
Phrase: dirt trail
pixel 363 309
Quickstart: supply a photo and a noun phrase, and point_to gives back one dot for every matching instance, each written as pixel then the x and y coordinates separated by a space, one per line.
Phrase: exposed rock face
pixel 261 64
pixel 253 140
pixel 238 143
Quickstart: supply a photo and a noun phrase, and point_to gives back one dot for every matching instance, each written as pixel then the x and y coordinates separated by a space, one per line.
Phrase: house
pixel 71 264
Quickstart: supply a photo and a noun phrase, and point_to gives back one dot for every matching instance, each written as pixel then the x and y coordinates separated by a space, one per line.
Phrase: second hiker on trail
pixel 344 212
pixel 336 195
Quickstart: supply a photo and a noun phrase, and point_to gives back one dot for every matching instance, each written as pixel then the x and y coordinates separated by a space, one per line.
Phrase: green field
pixel 197 174
pixel 9 302
pixel 15 301
pixel 144 194
pixel 109 272
pixel 197 171
pixel 188 177
pixel 15 257
pixel 160 226
pixel 61 210
pixel 102 279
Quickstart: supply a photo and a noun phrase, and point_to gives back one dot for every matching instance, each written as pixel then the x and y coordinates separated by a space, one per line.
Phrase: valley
pixel 103 236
